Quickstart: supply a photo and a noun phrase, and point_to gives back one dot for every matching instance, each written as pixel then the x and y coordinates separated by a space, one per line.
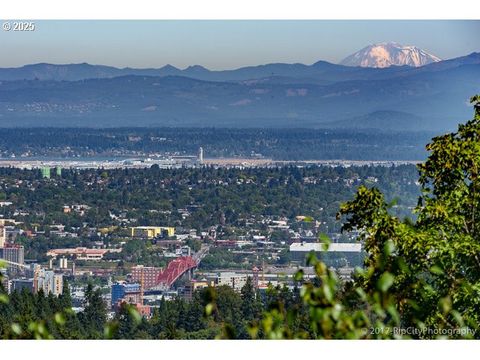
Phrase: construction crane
pixel 263 271
pixel 142 283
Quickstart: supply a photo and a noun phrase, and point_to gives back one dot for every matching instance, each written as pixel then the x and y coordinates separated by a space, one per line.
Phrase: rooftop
pixel 334 247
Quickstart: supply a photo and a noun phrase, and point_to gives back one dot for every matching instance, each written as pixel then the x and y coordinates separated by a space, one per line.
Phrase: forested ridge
pixel 277 144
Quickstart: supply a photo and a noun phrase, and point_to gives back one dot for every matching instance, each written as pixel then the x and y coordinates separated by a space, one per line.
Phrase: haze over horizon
pixel 288 92
pixel 220 45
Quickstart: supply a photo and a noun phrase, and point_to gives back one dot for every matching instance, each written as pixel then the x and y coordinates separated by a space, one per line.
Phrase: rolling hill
pixel 434 96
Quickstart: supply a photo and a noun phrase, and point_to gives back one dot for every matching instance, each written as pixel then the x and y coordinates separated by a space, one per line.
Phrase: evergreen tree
pixel 251 306
pixel 127 321
pixel 65 298
pixel 94 315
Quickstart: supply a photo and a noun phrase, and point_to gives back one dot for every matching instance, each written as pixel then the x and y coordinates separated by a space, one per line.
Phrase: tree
pixel 251 306
pixel 424 274
pixel 94 315
pixel 65 298
pixel 432 264
pixel 126 322
pixel 194 318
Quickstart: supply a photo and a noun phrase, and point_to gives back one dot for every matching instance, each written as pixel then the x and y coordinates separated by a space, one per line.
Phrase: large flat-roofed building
pixel 81 253
pixel 20 284
pixel 151 232
pixel 146 274
pixel 337 254
pixel 235 280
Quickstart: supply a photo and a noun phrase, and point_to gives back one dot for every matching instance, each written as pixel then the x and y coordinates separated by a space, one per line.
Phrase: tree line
pixel 278 144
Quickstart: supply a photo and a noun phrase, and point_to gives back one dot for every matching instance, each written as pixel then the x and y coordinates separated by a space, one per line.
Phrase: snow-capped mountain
pixel 387 54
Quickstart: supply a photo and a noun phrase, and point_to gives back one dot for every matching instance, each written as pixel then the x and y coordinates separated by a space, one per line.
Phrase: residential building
pixel 146 274
pixel 48 281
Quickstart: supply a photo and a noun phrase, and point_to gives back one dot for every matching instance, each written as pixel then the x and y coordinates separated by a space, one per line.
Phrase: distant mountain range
pixel 430 97
pixel 390 54
pixel 73 72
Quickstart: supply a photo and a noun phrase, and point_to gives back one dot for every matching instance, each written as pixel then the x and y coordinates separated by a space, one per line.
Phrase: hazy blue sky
pixel 225 44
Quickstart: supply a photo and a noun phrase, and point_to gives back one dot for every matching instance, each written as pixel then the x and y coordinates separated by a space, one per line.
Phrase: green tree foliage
pixel 94 316
pixel 423 275
pixel 251 305
pixel 24 315
pixel 127 324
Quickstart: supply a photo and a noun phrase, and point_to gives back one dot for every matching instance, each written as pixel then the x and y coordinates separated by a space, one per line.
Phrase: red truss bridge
pixel 174 270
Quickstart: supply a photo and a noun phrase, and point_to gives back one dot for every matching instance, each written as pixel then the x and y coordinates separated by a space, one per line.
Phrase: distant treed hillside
pixel 432 97
pixel 278 144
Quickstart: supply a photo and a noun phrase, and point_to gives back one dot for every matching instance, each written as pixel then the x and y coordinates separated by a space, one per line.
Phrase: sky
pixel 227 44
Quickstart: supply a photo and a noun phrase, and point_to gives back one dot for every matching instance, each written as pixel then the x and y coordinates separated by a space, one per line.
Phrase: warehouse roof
pixel 334 247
